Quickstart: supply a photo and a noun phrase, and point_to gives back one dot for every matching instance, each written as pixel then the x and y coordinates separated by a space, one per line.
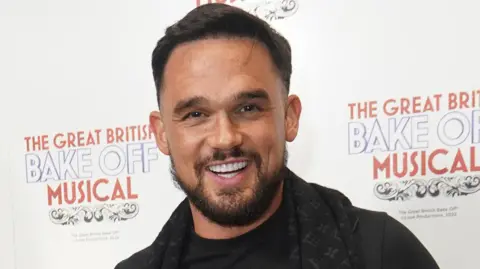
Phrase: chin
pixel 233 200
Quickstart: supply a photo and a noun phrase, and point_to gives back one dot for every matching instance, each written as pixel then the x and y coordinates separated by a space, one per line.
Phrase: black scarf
pixel 321 225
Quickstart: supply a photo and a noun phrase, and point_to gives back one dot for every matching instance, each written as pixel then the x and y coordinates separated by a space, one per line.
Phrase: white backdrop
pixel 6 222
pixel 84 66
pixel 6 132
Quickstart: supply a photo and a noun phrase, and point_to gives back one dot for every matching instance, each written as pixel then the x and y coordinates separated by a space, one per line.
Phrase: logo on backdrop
pixel 266 9
pixel 89 176
pixel 420 146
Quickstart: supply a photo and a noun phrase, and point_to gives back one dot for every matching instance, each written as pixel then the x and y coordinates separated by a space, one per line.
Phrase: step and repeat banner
pixel 391 97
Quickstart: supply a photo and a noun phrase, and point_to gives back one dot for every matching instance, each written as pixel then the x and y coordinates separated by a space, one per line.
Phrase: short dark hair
pixel 221 20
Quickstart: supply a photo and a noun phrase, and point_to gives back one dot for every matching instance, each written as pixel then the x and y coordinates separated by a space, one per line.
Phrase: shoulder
pixel 387 243
pixel 167 244
pixel 143 259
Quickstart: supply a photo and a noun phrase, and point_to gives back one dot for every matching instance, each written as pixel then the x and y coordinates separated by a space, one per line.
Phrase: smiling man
pixel 225 116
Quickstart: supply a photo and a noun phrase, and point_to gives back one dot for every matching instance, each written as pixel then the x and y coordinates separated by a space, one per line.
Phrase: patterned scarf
pixel 320 231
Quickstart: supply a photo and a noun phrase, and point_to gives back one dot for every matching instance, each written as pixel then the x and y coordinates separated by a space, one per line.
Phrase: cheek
pixel 268 138
pixel 182 138
pixel 183 149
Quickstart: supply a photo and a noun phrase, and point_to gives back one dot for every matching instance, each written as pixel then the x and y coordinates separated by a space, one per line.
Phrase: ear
pixel 158 128
pixel 292 117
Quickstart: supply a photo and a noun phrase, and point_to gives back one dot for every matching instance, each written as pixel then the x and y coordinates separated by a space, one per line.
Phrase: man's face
pixel 224 120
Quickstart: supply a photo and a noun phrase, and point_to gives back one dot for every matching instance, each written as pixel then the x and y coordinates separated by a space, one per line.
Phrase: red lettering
pixel 452 101
pixel 36 143
pixel 404 106
pixel 352 110
pixel 89 191
pixel 118 192
pixel 428 106
pixel 95 193
pixel 54 194
pixel 71 140
pixel 381 166
pixel 73 198
pixel 431 167
pixel 90 140
pixel 148 132
pixel 78 192
pixel 130 194
pixel 423 161
pixel 420 162
pixel 404 165
pixel 119 135
pixel 416 165
pixel 80 139
pixel 463 102
pixel 416 104
pixel 473 164
pixel 58 142
pixel 389 111
pixel 82 193
pixel 459 163
pixel 110 136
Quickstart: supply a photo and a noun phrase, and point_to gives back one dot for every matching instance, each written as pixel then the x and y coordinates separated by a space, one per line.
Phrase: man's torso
pixel 264 247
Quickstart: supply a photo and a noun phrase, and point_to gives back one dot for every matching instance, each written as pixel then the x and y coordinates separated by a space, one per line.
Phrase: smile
pixel 228 170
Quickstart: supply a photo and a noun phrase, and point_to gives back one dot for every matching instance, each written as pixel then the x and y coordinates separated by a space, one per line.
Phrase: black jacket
pixel 369 239
pixel 388 244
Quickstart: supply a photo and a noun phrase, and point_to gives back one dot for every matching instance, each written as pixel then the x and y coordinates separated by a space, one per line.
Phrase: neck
pixel 207 229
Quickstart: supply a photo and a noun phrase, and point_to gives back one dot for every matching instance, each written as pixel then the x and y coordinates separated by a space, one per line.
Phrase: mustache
pixel 221 155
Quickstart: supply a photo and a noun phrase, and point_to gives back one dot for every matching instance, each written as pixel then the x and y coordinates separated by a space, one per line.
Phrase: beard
pixel 234 209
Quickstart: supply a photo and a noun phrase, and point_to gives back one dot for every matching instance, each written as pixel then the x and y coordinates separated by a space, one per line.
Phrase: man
pixel 225 114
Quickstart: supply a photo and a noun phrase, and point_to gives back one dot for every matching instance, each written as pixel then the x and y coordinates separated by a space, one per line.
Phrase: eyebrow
pixel 194 101
pixel 251 94
pixel 183 105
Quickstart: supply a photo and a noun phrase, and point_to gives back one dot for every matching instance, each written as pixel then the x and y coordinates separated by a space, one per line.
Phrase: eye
pixel 194 114
pixel 249 108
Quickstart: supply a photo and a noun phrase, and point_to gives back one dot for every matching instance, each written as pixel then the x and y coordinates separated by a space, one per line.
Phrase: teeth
pixel 229 175
pixel 228 167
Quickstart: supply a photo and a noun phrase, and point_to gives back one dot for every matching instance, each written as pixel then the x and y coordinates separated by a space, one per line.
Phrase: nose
pixel 225 134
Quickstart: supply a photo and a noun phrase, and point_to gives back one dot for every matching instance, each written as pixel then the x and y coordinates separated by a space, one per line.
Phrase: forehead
pixel 218 68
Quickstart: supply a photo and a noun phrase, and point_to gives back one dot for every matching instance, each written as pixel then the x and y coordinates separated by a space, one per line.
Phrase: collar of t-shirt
pixel 270 229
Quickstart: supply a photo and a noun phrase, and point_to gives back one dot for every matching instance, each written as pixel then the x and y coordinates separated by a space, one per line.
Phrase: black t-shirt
pixel 264 247
pixel 386 244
